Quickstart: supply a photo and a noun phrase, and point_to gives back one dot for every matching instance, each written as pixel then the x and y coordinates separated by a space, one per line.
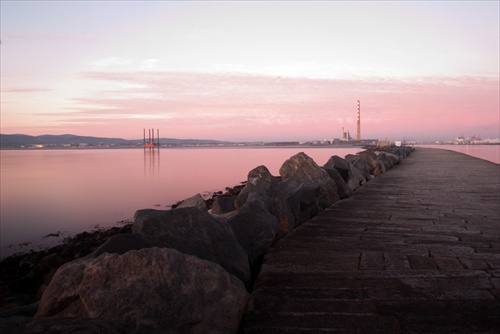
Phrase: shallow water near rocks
pixel 47 195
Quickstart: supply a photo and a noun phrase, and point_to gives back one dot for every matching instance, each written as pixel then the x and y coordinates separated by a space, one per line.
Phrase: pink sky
pixel 251 71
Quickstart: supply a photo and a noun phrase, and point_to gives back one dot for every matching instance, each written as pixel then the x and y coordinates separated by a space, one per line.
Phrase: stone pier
pixel 416 249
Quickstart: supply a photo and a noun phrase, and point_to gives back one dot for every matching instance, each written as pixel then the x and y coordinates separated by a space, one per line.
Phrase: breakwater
pixel 189 270
pixel 416 250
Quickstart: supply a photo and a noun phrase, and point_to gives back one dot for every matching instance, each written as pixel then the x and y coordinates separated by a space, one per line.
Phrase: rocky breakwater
pixel 190 269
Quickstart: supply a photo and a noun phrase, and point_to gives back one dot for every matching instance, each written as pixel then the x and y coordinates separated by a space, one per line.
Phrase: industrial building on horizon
pixel 346 135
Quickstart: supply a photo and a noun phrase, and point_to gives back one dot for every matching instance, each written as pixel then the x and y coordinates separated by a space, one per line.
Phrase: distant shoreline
pixel 201 146
pixel 223 146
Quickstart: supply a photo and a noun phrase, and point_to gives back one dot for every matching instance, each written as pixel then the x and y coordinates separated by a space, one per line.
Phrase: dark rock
pixel 344 192
pixel 388 159
pixel 69 326
pixel 52 325
pixel 27 284
pixel 362 164
pixel 255 229
pixel 276 204
pixel 379 169
pixel 302 199
pixel 194 201
pixel 341 165
pixel 403 151
pixel 261 185
pixel 259 179
pixel 302 168
pixel 353 177
pixel 371 159
pixel 223 204
pixel 14 325
pixel 400 151
pixel 23 277
pixel 122 243
pixel 194 232
pixel 154 290
pixel 369 153
pixel 23 311
pixel 235 191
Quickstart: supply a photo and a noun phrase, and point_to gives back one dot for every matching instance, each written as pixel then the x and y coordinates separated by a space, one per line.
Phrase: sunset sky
pixel 423 70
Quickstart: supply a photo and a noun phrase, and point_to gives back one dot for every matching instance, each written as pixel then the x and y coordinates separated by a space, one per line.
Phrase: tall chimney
pixel 358 134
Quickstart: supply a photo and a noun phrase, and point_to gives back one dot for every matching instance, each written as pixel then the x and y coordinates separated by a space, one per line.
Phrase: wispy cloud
pixel 24 90
pixel 252 107
pixel 111 61
pixel 291 107
pixel 148 64
pixel 124 63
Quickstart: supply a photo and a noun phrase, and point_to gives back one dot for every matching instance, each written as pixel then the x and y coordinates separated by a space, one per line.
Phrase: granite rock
pixel 154 290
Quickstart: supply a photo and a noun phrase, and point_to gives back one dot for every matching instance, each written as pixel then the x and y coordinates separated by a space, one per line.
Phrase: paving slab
pixel 415 250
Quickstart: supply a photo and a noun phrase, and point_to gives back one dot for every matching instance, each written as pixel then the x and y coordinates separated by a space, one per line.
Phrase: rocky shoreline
pixel 189 269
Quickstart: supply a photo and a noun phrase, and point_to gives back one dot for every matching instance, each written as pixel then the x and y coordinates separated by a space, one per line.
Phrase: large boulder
pixel 302 168
pixel 122 243
pixel 344 192
pixel 403 151
pixel 388 159
pixel 52 325
pixel 223 204
pixel 371 159
pixel 262 186
pixel 400 151
pixel 350 174
pixel 276 204
pixel 154 290
pixel 302 199
pixel 194 232
pixel 255 229
pixel 361 163
pixel 259 180
pixel 194 201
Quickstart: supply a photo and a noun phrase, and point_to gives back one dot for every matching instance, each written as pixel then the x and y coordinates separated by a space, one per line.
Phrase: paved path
pixel 417 249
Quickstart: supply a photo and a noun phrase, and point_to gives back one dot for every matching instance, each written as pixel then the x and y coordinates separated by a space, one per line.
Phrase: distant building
pixel 383 143
pixel 346 136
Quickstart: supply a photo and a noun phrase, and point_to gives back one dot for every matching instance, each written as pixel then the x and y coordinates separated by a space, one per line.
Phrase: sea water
pixel 47 195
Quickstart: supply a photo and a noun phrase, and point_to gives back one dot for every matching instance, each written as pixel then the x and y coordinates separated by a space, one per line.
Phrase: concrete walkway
pixel 415 250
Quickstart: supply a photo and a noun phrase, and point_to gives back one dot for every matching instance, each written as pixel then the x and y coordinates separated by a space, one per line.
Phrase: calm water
pixel 70 191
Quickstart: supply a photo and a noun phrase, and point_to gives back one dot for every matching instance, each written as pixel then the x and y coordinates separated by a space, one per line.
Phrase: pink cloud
pixel 242 107
pixel 24 90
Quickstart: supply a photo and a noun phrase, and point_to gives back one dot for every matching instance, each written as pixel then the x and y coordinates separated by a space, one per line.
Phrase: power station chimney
pixel 358 134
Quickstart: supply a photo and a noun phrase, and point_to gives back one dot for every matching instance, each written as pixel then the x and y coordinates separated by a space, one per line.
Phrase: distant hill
pixel 68 140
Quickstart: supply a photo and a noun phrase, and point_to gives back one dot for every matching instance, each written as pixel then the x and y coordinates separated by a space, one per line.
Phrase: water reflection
pixel 151 162
pixel 69 191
